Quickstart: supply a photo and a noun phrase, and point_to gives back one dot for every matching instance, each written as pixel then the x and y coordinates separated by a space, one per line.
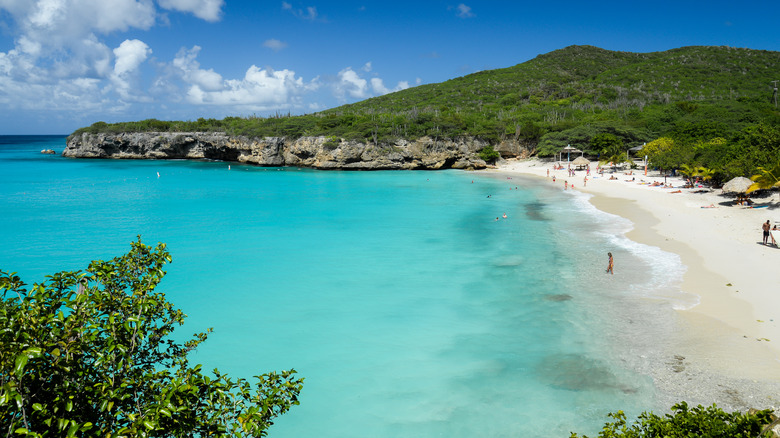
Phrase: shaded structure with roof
pixel 568 150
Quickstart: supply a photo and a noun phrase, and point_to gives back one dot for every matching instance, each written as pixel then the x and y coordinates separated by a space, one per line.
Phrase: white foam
pixel 666 269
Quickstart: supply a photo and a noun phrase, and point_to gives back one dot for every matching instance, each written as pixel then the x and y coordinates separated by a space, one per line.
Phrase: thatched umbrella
pixel 581 162
pixel 739 184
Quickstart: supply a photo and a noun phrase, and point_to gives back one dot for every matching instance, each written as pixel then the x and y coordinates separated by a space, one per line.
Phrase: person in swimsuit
pixel 611 264
pixel 766 228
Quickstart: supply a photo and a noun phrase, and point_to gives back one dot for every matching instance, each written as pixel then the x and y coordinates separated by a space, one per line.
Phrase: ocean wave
pixel 665 269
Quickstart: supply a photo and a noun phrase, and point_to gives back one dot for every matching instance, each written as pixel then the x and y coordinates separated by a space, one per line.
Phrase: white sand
pixel 735 330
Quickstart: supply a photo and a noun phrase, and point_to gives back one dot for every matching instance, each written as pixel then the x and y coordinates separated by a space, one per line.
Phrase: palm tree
pixel 616 160
pixel 704 173
pixel 767 179
pixel 687 170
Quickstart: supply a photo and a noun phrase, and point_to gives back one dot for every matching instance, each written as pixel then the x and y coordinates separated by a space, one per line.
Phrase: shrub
pixel 700 422
pixel 488 154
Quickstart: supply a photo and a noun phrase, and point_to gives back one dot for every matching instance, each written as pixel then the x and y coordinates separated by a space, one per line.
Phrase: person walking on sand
pixel 766 227
pixel 611 264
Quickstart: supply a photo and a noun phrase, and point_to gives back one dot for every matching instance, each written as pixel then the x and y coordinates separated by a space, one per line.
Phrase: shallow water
pixel 409 309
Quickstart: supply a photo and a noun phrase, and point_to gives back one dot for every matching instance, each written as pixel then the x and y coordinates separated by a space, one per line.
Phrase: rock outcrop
pixel 314 152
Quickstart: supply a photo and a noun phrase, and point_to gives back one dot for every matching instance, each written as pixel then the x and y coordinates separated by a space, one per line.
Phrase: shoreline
pixel 730 341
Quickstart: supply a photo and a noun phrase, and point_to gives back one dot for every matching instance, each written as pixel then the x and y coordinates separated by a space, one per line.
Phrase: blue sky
pixel 65 64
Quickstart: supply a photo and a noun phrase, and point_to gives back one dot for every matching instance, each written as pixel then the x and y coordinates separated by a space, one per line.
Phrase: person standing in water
pixel 611 264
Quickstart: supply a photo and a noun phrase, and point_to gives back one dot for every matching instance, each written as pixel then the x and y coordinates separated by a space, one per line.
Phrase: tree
pixel 767 178
pixel 665 153
pixel 90 354
pixel 607 144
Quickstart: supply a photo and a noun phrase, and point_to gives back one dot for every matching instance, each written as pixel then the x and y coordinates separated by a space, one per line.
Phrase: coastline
pixel 730 341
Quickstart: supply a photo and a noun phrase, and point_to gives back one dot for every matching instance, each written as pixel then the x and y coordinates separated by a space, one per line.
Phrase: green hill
pixel 568 96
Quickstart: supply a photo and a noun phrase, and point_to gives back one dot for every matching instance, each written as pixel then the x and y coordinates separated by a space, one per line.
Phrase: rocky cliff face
pixel 314 152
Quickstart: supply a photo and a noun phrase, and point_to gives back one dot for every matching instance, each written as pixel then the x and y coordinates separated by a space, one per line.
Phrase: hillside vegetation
pixel 709 102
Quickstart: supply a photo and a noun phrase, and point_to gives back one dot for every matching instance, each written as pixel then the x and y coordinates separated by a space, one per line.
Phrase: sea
pixel 408 302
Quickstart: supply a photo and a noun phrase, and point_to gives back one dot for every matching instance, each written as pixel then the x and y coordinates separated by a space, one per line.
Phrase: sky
pixel 65 64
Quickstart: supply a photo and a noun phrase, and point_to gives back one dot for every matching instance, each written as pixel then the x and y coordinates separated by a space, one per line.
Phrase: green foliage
pixel 767 178
pixel 488 154
pixel 667 154
pixel 607 144
pixel 331 143
pixel 576 95
pixel 699 422
pixel 90 354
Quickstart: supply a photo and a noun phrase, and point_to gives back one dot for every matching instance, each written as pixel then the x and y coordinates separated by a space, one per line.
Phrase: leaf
pixel 74 427
pixel 21 361
pixel 33 352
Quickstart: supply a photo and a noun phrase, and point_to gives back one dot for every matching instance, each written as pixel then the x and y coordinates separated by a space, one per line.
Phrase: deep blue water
pixel 409 309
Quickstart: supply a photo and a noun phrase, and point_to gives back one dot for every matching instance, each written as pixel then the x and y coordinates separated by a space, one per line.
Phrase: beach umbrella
pixel 739 184
pixel 581 161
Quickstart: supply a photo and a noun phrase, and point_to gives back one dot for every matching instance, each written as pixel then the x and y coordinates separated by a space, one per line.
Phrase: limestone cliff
pixel 314 152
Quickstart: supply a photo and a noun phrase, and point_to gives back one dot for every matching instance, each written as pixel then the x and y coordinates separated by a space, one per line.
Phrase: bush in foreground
pixel 90 354
pixel 699 422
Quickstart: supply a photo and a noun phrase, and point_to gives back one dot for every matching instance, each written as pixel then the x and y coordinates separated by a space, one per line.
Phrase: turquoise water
pixel 409 309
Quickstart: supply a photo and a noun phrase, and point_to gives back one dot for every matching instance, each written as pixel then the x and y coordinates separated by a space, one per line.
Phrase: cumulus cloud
pixel 129 56
pixel 209 10
pixel 274 44
pixel 378 86
pixel 350 83
pixel 191 72
pixel 259 88
pixel 60 61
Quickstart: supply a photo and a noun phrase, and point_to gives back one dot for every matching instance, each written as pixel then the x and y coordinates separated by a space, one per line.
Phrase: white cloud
pixel 352 84
pixel 209 10
pixel 464 11
pixel 349 83
pixel 129 56
pixel 378 86
pixel 274 44
pixel 259 88
pixel 310 13
pixel 191 72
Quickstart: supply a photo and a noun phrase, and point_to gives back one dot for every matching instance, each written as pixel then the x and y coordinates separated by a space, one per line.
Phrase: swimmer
pixel 504 215
pixel 158 174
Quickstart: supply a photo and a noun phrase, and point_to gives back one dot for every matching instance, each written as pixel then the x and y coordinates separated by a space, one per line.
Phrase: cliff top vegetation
pixel 574 95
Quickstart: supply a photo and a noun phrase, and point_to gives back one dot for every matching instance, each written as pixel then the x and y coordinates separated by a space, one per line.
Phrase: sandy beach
pixel 730 341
